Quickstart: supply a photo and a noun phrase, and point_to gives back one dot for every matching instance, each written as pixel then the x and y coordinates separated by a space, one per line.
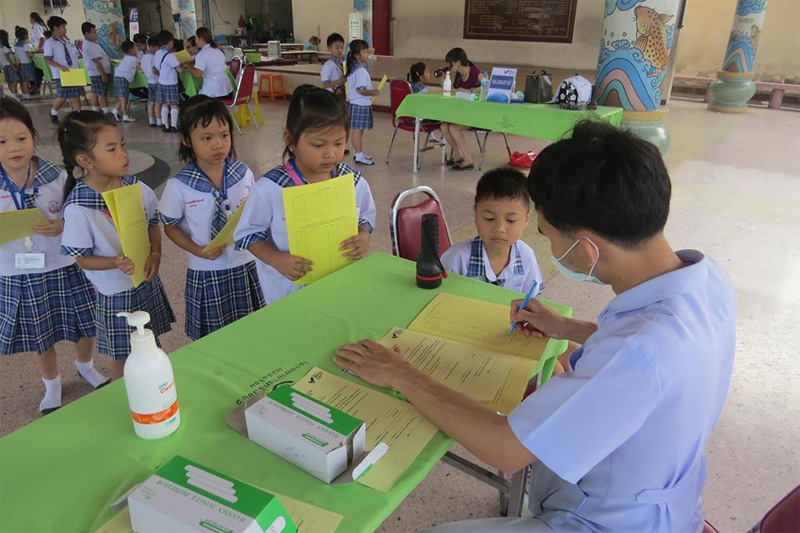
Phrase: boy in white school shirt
pixel 148 62
pixel 61 54
pixel 98 67
pixel 123 75
pixel 168 66
pixel 497 255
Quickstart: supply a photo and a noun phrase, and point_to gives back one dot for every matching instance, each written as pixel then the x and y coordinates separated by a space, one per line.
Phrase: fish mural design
pixel 651 35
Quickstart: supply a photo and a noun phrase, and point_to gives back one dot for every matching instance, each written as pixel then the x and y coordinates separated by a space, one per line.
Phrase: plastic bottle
pixel 484 86
pixel 447 85
pixel 150 383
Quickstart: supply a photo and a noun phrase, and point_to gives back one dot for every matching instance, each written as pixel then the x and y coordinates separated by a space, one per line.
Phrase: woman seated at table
pixel 467 77
pixel 210 65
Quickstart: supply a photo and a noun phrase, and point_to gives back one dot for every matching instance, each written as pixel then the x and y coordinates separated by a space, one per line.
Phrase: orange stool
pixel 272 91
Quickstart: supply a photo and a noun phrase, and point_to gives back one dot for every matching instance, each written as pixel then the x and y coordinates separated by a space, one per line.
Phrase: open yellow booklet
pixel 225 235
pixel 127 211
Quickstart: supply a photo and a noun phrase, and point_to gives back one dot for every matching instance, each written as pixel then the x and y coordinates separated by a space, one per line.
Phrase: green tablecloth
pixel 61 472
pixel 530 120
pixel 191 85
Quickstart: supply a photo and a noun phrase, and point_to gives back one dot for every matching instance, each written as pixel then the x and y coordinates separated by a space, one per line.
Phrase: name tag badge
pixel 29 260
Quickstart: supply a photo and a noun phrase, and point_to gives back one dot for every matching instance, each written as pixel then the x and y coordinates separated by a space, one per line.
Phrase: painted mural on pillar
pixel 740 54
pixel 634 52
pixel 365 8
pixel 107 16
pixel 188 18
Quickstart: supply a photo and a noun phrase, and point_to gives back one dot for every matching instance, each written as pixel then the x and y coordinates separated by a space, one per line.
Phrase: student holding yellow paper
pixel 45 296
pixel 91 141
pixel 317 126
pixel 62 55
pixel 221 283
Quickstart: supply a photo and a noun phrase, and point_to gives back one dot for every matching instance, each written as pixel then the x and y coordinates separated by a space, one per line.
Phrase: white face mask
pixel 571 274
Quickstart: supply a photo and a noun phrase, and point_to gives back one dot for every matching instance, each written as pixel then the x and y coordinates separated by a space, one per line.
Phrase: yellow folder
pixel 74 77
pixel 18 224
pixel 127 210
pixel 183 56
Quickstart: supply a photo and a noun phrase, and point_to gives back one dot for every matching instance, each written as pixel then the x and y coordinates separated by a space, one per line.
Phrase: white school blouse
pixel 89 231
pixel 147 67
pixel 215 72
pixel 54 50
pixel 166 67
pixel 48 191
pixel 21 50
pixel 264 219
pixel 188 202
pixel 358 79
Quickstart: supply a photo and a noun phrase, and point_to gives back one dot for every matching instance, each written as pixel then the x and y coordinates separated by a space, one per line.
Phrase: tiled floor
pixel 736 183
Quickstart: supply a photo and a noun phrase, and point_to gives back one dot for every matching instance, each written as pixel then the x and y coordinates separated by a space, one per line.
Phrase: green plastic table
pixel 193 84
pixel 528 120
pixel 61 472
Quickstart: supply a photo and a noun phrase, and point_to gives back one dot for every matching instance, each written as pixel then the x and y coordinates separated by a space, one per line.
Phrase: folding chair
pixel 783 517
pixel 405 223
pixel 398 90
pixel 236 65
pixel 482 146
pixel 242 95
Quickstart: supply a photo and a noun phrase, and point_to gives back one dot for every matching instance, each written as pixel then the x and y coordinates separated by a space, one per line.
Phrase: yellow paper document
pixel 183 56
pixel 18 224
pixel 319 216
pixel 308 518
pixel 380 86
pixel 390 420
pixel 496 380
pixel 478 323
pixel 127 210
pixel 74 77
pixel 225 235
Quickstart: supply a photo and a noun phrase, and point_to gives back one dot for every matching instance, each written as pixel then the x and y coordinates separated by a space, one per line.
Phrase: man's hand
pixel 53 229
pixel 125 264
pixel 373 362
pixel 292 267
pixel 537 320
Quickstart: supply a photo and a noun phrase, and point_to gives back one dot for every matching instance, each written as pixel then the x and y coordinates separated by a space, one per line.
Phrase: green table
pixel 41 64
pixel 528 120
pixel 193 84
pixel 60 472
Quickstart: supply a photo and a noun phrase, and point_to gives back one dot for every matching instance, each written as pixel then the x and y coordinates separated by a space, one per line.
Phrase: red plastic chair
pixel 405 223
pixel 398 90
pixel 236 66
pixel 243 94
pixel 784 517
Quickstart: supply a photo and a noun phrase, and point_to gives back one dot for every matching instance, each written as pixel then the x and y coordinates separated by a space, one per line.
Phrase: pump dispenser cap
pixel 141 339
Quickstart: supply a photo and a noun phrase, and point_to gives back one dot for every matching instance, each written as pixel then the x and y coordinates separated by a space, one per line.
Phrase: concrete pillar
pixel 188 13
pixel 638 37
pixel 734 85
pixel 107 16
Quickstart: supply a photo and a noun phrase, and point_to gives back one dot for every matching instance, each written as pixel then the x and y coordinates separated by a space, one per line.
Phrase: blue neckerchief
pixel 67 55
pixel 476 268
pixel 194 177
pixel 280 177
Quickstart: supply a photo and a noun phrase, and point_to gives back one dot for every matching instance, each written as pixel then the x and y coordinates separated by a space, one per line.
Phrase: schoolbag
pixel 573 92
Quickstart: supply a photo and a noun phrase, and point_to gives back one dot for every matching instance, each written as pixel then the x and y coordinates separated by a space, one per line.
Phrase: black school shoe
pixel 174 130
pixel 54 119
pixel 463 167
pixel 165 129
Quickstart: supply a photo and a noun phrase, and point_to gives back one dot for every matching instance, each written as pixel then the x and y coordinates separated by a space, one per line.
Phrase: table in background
pixel 543 121
pixel 61 471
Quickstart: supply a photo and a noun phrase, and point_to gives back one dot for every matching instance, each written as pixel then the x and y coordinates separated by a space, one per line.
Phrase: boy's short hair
pixel 164 37
pixel 335 38
pixel 127 46
pixel 502 184
pixel 55 22
pixel 153 41
pixel 86 27
pixel 140 38
pixel 602 179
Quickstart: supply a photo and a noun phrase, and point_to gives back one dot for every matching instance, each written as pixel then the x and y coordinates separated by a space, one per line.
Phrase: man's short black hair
pixel 502 184
pixel 86 27
pixel 602 179
pixel 335 38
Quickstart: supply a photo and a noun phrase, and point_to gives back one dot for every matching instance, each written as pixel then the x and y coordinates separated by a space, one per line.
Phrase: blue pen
pixel 524 303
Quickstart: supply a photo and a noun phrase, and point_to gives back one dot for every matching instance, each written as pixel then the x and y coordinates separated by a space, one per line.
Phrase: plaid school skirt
pixel 113 333
pixel 152 92
pixel 168 94
pixel 98 87
pixel 27 71
pixel 122 87
pixel 39 310
pixel 360 117
pixel 216 298
pixel 68 92
pixel 10 73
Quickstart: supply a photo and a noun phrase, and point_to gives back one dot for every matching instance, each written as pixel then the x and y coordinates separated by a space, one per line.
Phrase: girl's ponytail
pixel 71 181
pixel 349 62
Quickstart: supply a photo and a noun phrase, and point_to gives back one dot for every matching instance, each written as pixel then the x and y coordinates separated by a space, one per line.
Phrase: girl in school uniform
pixel 315 136
pixel 61 54
pixel 360 93
pixel 10 71
pixel 417 76
pixel 45 296
pixel 91 141
pixel 221 284
pixel 27 73
pixel 210 65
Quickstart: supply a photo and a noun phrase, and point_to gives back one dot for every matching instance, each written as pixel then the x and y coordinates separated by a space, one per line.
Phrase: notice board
pixel 549 21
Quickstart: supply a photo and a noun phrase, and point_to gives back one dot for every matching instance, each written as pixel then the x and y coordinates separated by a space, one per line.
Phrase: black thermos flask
pixel 429 268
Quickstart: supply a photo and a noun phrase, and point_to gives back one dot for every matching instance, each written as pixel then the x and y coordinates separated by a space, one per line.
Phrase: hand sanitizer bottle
pixel 447 85
pixel 484 86
pixel 150 383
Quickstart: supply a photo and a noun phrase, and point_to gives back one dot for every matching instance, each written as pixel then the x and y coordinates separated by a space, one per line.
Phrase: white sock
pixel 158 122
pixel 165 116
pixel 174 115
pixel 152 120
pixel 54 112
pixel 105 110
pixel 359 155
pixel 52 393
pixel 95 108
pixel 90 374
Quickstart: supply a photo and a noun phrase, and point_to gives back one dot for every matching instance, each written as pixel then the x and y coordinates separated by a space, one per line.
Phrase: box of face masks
pixel 184 496
pixel 314 436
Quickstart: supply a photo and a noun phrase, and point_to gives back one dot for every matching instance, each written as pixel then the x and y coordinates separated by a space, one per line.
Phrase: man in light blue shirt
pixel 617 440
